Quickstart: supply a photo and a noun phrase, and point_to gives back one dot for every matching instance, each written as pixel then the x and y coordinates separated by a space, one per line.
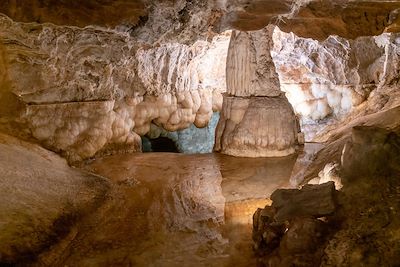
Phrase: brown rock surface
pixel 102 89
pixel 316 18
pixel 310 201
pixel 89 12
pixel 288 232
pixel 41 198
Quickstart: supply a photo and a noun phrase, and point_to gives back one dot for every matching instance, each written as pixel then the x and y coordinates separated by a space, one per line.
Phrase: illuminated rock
pixel 256 127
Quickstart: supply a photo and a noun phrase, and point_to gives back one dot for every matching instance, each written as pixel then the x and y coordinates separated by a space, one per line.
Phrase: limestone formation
pixel 192 140
pixel 91 90
pixel 159 20
pixel 256 127
pixel 325 81
pixel 250 70
pixel 256 120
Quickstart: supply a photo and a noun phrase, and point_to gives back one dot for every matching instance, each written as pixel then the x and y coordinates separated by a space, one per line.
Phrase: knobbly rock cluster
pixel 101 89
pixel 325 80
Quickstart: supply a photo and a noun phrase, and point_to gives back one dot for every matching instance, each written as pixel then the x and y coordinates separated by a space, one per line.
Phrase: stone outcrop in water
pixel 256 119
pixel 289 231
pixel 365 219
pixel 311 201
pixel 256 127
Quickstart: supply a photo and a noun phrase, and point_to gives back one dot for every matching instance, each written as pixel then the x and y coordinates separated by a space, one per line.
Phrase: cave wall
pixel 92 89
pixel 85 91
pixel 325 80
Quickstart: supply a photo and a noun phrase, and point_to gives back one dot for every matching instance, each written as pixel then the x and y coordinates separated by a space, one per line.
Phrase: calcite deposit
pixel 92 79
pixel 257 127
pixel 326 80
pixel 89 90
pixel 250 70
pixel 316 19
pixel 256 119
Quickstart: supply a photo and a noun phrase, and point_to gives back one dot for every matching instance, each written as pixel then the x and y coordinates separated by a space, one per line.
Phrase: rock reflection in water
pixel 169 209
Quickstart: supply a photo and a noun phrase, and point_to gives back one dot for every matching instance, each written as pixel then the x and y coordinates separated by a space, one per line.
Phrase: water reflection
pixel 169 209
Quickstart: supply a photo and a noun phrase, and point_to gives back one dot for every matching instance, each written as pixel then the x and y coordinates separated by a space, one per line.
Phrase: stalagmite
pixel 257 119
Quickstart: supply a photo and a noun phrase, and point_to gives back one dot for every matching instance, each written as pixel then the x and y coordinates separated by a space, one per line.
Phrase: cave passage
pixel 160 144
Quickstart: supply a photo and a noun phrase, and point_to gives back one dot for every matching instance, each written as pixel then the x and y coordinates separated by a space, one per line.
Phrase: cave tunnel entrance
pixel 160 144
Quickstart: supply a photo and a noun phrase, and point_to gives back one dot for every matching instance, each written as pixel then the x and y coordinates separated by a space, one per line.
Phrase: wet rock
pixel 311 201
pixel 41 198
pixel 303 235
pixel 288 233
pixel 267 234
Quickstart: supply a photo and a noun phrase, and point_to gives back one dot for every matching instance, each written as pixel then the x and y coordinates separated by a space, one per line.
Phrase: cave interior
pixel 271 130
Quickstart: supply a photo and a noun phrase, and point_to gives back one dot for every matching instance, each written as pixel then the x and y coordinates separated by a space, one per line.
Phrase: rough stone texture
pixel 41 197
pixel 101 89
pixel 89 12
pixel 302 244
pixel 157 20
pixel 250 70
pixel 266 233
pixel 325 81
pixel 369 234
pixel 316 19
pixel 365 228
pixel 179 21
pixel 288 232
pixel 311 201
pixel 256 127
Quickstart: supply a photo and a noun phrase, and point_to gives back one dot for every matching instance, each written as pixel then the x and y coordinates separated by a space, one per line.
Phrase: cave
pixel 280 119
pixel 159 144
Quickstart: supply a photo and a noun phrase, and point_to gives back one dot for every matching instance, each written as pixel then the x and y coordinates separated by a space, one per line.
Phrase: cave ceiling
pixel 306 18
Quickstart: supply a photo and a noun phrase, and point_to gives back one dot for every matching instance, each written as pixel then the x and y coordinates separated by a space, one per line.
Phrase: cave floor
pixel 168 209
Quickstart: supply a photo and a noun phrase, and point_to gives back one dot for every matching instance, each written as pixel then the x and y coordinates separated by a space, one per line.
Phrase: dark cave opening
pixel 160 144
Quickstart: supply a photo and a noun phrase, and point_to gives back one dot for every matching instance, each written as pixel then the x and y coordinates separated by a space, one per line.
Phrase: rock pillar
pixel 256 119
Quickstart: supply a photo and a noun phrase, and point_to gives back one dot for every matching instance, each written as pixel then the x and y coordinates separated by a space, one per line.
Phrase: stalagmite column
pixel 256 119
